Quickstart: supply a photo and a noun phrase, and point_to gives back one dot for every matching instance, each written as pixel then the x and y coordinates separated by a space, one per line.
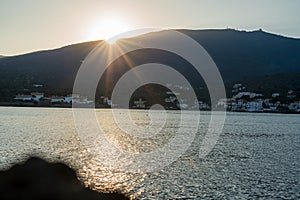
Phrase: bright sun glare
pixel 107 28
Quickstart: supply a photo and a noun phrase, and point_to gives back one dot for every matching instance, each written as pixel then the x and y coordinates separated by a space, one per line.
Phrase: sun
pixel 106 29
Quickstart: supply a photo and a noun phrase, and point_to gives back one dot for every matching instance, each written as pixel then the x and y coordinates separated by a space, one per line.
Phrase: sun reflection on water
pixel 95 175
pixel 100 178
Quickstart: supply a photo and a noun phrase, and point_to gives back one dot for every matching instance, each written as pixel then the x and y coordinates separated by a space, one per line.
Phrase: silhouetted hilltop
pixel 240 56
pixel 37 179
pixel 55 69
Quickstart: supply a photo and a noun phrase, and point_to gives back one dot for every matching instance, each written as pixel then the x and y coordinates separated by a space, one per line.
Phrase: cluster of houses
pixel 175 100
pixel 254 102
pixel 241 100
pixel 40 97
pixel 106 101
pixel 184 103
pixel 173 103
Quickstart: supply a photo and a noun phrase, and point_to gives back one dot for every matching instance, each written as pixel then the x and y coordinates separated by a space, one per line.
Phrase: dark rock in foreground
pixel 38 179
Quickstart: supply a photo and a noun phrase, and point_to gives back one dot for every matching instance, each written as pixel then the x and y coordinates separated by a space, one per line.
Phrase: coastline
pixel 100 106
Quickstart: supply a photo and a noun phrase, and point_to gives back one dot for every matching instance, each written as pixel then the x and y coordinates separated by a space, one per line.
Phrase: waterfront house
pixel 295 106
pixel 203 105
pixel 254 106
pixel 69 98
pixel 56 99
pixel 81 100
pixel 37 96
pixel 22 97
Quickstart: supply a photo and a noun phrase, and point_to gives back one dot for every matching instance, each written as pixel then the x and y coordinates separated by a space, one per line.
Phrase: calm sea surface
pixel 256 156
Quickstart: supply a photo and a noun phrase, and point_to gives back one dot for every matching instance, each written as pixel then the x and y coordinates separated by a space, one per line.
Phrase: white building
pixel 69 98
pixel 295 106
pixel 238 87
pixel 109 102
pixel 250 94
pixel 170 99
pixel 173 93
pixel 224 103
pixel 37 96
pixel 254 106
pixel 291 94
pixel 81 100
pixel 22 97
pixel 38 85
pixel 182 105
pixel 56 99
pixel 274 95
pixel 203 106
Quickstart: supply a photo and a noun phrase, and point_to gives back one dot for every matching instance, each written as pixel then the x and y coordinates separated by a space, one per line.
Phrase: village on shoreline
pixel 241 101
pixel 245 101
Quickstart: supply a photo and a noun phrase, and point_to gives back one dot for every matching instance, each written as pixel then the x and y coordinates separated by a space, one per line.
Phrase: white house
pixel 105 100
pixel 38 85
pixel 173 93
pixel 274 95
pixel 250 94
pixel 170 99
pixel 291 94
pixel 81 100
pixel 22 97
pixel 254 106
pixel 109 102
pixel 295 106
pixel 224 102
pixel 56 99
pixel 69 98
pixel 203 105
pixel 182 105
pixel 36 96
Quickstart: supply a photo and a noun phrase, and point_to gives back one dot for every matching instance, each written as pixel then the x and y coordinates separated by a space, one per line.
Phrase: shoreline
pixel 99 106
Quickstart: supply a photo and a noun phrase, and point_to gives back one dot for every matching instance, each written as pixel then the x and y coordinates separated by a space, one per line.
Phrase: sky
pixel 32 25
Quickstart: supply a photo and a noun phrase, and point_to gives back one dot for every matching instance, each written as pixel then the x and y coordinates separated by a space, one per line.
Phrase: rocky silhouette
pixel 38 179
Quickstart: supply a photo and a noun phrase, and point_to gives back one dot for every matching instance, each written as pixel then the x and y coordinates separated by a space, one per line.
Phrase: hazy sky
pixel 30 25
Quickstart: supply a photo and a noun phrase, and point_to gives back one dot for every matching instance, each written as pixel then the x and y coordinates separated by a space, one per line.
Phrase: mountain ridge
pixel 239 55
pixel 180 30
